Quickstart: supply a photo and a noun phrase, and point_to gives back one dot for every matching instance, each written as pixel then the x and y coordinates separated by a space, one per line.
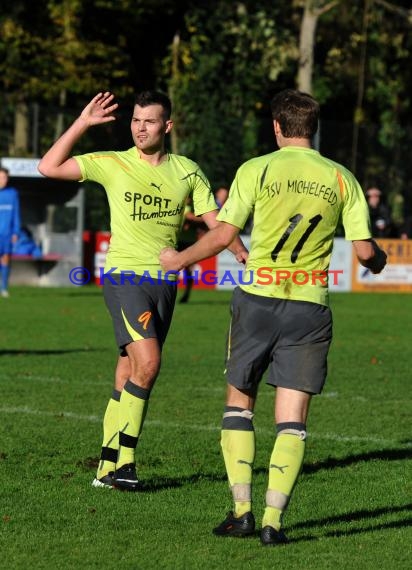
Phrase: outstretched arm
pixel 237 246
pixel 212 243
pixel 56 163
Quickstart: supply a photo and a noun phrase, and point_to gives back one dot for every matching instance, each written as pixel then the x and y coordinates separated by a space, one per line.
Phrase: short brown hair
pixel 146 98
pixel 296 112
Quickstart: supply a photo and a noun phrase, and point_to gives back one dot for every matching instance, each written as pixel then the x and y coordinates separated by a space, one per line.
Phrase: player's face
pixel 149 128
pixel 3 179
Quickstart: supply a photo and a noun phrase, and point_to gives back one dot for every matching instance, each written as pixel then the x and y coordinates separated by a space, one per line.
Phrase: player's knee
pixel 122 376
pixel 147 371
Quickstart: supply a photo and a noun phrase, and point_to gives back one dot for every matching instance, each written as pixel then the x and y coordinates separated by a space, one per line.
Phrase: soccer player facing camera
pixel 147 189
pixel 9 227
pixel 297 198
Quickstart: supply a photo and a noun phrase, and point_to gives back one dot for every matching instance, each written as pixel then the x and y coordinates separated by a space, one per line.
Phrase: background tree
pixel 49 55
pixel 312 11
pixel 221 62
pixel 225 61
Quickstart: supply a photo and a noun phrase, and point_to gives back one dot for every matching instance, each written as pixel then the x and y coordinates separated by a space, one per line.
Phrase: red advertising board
pixel 102 245
pixel 204 272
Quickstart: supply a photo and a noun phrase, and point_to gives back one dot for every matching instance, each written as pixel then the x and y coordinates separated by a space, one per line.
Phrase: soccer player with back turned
pixel 147 189
pixel 281 321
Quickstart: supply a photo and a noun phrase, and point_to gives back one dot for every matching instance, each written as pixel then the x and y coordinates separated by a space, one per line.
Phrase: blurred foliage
pixel 221 62
pixel 228 57
pixel 51 49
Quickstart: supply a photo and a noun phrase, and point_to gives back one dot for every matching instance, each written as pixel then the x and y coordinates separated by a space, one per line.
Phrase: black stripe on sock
pixel 136 390
pixel 237 423
pixel 116 395
pixel 127 440
pixel 109 454
pixel 290 425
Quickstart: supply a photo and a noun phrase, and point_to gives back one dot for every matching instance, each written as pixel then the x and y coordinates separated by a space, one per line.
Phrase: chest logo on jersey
pixel 158 207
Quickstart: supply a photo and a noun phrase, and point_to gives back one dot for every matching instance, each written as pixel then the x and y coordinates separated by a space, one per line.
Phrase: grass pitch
pixel 351 507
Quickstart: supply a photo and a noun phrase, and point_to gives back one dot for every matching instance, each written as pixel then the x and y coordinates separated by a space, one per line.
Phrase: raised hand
pixel 99 110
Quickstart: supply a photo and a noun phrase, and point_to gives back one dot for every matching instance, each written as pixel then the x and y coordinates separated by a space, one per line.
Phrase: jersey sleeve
pixel 239 205
pixel 355 212
pixel 90 168
pixel 203 199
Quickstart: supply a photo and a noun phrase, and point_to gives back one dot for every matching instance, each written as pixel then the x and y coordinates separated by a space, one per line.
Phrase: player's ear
pixel 169 126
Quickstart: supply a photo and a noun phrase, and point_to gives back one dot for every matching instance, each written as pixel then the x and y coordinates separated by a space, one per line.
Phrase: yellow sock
pixel 110 445
pixel 238 446
pixel 132 412
pixel 285 465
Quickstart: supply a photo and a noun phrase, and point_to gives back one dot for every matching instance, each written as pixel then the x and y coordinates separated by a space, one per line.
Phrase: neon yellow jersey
pixel 297 198
pixel 147 204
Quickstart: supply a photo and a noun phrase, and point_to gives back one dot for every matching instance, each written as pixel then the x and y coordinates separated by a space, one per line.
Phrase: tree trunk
pixel 174 141
pixel 358 114
pixel 306 48
pixel 59 127
pixel 20 145
pixel 313 9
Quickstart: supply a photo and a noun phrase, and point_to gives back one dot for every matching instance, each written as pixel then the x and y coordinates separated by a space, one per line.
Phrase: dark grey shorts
pixel 290 339
pixel 139 310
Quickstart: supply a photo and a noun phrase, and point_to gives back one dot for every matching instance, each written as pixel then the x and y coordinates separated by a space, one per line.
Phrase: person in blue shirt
pixel 9 227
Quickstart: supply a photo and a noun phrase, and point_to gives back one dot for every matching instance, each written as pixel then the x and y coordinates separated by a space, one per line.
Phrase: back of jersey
pixel 297 197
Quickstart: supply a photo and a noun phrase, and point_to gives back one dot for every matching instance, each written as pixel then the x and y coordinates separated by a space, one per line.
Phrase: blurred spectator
pixel 221 195
pixel 405 231
pixel 25 245
pixel 381 223
pixel 193 228
pixel 9 227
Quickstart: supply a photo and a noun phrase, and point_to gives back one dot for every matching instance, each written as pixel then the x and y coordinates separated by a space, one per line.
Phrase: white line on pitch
pixel 215 389
pixel 32 377
pixel 175 425
pixel 52 380
pixel 31 412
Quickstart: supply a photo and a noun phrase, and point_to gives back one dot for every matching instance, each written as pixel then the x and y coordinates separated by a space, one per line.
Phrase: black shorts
pixel 140 310
pixel 290 338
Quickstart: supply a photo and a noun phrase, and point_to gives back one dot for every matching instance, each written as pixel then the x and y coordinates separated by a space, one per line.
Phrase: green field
pixel 351 508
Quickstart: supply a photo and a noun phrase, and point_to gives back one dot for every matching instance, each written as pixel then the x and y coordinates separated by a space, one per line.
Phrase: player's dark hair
pixel 5 170
pixel 145 98
pixel 296 112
